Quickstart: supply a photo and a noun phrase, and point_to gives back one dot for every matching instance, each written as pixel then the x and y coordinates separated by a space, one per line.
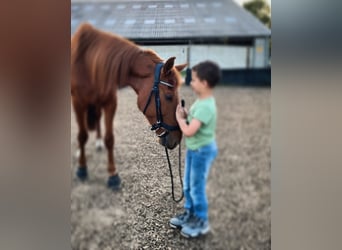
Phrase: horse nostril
pixel 168 141
pixel 162 141
pixel 172 146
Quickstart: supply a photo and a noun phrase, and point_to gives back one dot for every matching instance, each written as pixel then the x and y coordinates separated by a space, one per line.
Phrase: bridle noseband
pixel 155 91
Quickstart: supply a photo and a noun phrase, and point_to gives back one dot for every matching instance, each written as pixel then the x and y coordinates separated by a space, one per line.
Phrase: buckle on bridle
pixel 156 126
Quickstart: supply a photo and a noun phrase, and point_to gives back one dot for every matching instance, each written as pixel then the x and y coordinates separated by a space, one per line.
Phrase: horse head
pixel 160 100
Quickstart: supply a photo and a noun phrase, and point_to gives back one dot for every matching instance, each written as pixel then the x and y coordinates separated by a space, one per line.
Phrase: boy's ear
pixel 206 83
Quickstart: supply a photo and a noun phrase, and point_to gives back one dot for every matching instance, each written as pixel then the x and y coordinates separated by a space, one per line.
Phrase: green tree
pixel 261 10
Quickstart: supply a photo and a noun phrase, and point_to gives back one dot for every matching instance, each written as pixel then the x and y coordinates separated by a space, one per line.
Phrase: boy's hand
pixel 181 113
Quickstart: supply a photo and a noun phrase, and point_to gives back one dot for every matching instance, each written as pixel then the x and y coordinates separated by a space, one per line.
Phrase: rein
pixel 160 124
pixel 179 170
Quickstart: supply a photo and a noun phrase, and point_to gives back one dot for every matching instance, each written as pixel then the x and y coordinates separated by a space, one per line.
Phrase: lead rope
pixel 180 172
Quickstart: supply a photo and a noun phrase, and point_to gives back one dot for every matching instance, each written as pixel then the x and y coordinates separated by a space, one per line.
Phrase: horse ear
pixel 169 64
pixel 180 67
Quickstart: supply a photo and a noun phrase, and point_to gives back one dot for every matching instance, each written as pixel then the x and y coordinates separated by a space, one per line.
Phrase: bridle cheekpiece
pixel 155 91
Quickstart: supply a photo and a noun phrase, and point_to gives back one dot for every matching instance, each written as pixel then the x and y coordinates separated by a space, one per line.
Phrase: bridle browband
pixel 155 91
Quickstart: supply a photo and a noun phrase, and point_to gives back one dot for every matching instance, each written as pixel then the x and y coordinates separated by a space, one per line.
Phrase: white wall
pixel 228 57
pixel 179 51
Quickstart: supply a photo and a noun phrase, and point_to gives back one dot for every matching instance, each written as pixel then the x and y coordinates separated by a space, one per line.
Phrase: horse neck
pixel 137 83
pixel 142 72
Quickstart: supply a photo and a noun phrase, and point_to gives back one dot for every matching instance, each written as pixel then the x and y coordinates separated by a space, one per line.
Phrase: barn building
pixel 192 30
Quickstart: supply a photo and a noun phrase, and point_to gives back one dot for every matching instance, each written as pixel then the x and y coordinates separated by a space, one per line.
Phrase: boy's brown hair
pixel 208 71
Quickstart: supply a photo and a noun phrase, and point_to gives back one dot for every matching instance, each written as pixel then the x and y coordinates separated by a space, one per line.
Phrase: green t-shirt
pixel 203 110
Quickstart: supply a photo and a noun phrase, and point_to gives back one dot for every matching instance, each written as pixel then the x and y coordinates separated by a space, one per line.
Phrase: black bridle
pixel 160 124
pixel 155 91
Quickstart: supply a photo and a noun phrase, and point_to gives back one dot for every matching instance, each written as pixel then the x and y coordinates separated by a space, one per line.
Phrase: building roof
pixel 169 19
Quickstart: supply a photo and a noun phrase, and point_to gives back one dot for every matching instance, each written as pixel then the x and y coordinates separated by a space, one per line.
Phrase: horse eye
pixel 168 97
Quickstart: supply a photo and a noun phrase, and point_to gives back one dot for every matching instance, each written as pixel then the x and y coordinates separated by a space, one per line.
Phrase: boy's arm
pixel 191 129
pixel 187 129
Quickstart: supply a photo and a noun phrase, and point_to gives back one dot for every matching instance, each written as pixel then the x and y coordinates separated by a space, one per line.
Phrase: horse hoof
pixel 114 182
pixel 82 173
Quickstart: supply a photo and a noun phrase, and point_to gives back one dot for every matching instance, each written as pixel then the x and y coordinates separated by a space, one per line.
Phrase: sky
pixel 243 1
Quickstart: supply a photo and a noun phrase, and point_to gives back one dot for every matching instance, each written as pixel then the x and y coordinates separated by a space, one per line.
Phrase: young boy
pixel 198 127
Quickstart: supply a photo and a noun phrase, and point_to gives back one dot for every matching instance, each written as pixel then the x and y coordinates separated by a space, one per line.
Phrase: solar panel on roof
pixel 189 20
pixel 110 22
pixel 152 21
pixel 217 5
pixel 121 6
pixel 210 20
pixel 130 21
pixel 169 21
pixel 200 5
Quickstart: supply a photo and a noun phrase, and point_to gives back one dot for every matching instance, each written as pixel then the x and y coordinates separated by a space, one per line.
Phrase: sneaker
pixel 179 220
pixel 195 227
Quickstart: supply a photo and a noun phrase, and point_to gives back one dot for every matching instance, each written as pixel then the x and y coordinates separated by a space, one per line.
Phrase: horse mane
pixel 152 55
pixel 107 60
pixel 106 57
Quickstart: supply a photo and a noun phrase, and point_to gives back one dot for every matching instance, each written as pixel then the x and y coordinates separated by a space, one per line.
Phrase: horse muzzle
pixel 169 140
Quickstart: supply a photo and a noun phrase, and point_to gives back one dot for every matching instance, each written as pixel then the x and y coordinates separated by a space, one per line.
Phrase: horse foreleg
pixel 82 137
pixel 114 179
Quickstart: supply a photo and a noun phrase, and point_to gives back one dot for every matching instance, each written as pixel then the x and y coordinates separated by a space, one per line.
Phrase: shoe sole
pixel 205 231
pixel 175 226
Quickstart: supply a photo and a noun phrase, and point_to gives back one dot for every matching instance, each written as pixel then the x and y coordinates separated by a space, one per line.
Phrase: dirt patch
pixel 137 216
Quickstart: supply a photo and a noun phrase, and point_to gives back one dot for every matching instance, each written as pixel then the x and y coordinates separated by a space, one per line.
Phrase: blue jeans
pixel 197 166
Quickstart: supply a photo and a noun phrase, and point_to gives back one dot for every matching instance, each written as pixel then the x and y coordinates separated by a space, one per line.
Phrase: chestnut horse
pixel 101 63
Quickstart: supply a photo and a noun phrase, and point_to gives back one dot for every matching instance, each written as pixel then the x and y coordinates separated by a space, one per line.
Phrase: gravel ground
pixel 137 216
